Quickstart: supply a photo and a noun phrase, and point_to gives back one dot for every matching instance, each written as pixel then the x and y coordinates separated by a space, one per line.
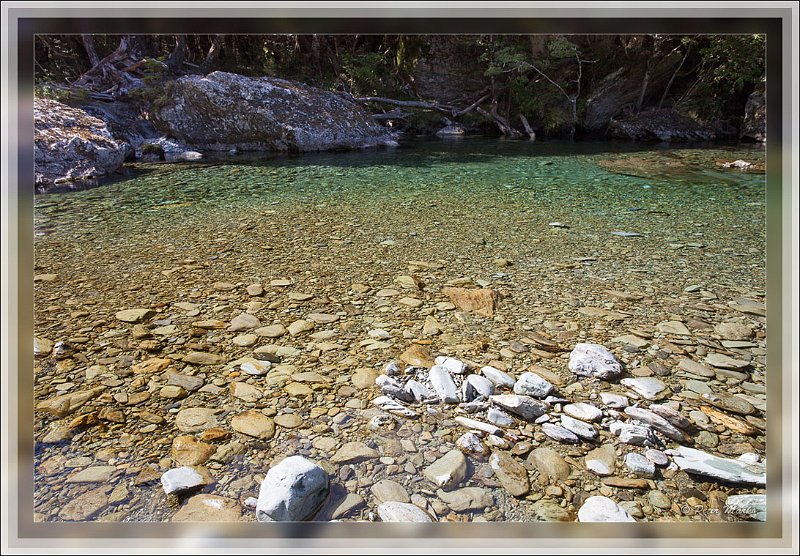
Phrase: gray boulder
pixel 69 144
pixel 754 125
pixel 224 111
pixel 293 490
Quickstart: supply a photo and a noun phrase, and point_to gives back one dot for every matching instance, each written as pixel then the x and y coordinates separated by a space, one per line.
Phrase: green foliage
pixel 366 73
pixel 52 92
pixel 735 60
pixel 560 47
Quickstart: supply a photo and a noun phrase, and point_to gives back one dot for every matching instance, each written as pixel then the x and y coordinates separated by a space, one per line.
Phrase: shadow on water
pixel 412 153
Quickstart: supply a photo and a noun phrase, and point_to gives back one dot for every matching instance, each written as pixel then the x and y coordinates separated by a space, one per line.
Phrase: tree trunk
pixel 645 81
pixel 176 59
pixel 88 44
pixel 527 126
pixel 213 53
pixel 671 79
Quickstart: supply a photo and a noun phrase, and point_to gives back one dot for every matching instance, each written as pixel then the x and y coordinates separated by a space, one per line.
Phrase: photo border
pixel 22 20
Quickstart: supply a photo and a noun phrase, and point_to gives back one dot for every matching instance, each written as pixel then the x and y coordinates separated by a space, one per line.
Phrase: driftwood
pixel 454 111
pixel 112 73
pixel 527 126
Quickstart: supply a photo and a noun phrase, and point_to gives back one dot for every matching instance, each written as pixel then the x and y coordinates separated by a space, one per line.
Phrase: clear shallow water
pixel 167 235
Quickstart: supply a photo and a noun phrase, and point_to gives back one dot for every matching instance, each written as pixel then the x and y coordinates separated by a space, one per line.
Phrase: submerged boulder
pixel 69 144
pixel 754 125
pixel 224 111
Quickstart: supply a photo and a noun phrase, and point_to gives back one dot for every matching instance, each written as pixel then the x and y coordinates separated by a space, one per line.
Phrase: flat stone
pixel 171 391
pixel 583 411
pixel 733 331
pixel 473 424
pixel 350 503
pixel 63 405
pixel 181 478
pixel 467 498
pixel 323 318
pixel 559 433
pixel 656 421
pixel 186 450
pixel 498 377
pixel 300 296
pixel 725 362
pixel 272 331
pixel 94 474
pixel 640 465
pixel 614 401
pixel 479 301
pixel 453 365
pixel 412 302
pixel 602 509
pixel 550 464
pixel 708 465
pixel 289 420
pixel 658 499
pixel 448 471
pixel 531 384
pixel 674 327
pixel 417 356
pixel 443 384
pixel 431 327
pixel 625 482
pixel 389 491
pixel 300 326
pixel 734 404
pixel 631 340
pixel 364 378
pixel 297 389
pixel 657 457
pixel 353 452
pixel 203 358
pixel 210 324
pixel 523 406
pixel 85 506
pixel 499 418
pixel 594 360
pixel 208 507
pixel 697 386
pixel 511 473
pixel 135 315
pixel 254 423
pixel 752 507
pixel 744 305
pixel 244 321
pixel 256 367
pixel 402 512
pixel 650 388
pixel 187 382
pixel 223 286
pixel 696 368
pixel 293 490
pixel 579 428
pixel 153 365
pixel 245 392
pixel 281 282
pixel 729 422
pixel 601 461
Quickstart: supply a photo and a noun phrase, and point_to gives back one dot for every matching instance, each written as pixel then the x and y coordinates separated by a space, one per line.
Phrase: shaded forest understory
pixel 515 85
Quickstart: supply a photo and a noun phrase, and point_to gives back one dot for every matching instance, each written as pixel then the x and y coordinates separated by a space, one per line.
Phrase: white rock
pixel 498 377
pixel 443 384
pixel 293 490
pixel 580 428
pixel 499 418
pixel 470 443
pixel 600 508
pixel 448 470
pixel 599 467
pixel 614 401
pixel 708 465
pixel 640 464
pixel 475 386
pixel 633 434
pixel 559 433
pixel 583 411
pixel 524 406
pixel 402 512
pixel 531 384
pixel 383 380
pixel 648 387
pixel 752 507
pixel 391 406
pixel 475 425
pixel 256 368
pixel 594 361
pixel 418 390
pixel 181 478
pixel 452 364
pixel 657 422
pixel 245 321
pixel 657 457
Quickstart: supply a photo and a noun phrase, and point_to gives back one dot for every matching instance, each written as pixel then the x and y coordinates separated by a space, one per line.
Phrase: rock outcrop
pixel 69 144
pixel 660 125
pixel 224 111
pixel 754 125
